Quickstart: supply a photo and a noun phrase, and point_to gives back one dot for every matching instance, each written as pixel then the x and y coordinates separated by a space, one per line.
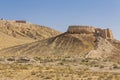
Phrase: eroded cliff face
pixel 104 33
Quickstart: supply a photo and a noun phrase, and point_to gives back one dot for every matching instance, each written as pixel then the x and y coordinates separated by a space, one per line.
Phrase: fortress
pixel 105 33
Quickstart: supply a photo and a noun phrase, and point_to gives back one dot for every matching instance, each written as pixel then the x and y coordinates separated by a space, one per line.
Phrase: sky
pixel 59 14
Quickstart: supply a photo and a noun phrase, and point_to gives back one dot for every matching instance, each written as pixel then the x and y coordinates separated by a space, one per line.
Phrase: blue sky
pixel 59 14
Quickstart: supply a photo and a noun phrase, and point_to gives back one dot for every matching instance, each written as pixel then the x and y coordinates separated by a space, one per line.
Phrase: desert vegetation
pixel 58 68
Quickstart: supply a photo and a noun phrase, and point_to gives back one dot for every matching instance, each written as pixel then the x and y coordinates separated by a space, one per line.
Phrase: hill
pixel 62 44
pixel 82 52
pixel 88 42
pixel 17 32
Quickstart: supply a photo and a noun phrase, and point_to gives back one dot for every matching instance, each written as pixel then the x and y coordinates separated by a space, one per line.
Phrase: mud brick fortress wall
pixel 105 33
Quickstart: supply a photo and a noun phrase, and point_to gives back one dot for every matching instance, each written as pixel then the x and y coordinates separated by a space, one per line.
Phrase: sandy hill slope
pixel 7 41
pixel 15 33
pixel 59 45
pixel 103 49
pixel 26 30
pixel 65 44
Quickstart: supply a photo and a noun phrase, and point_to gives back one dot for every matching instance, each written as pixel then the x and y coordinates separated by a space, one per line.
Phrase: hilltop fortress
pixel 105 33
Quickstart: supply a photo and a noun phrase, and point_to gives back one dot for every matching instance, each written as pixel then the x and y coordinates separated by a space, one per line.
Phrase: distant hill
pixel 14 33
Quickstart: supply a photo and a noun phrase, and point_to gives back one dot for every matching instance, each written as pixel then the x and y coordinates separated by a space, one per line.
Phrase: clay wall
pixel 105 33
pixel 81 29
pixel 20 21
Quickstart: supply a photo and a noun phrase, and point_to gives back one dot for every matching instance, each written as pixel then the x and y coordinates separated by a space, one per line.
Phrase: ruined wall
pixel 105 33
pixel 81 29
pixel 16 21
pixel 109 34
pixel 20 21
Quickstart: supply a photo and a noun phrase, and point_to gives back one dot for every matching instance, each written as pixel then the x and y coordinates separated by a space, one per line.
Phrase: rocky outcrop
pixel 104 33
pixel 102 49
